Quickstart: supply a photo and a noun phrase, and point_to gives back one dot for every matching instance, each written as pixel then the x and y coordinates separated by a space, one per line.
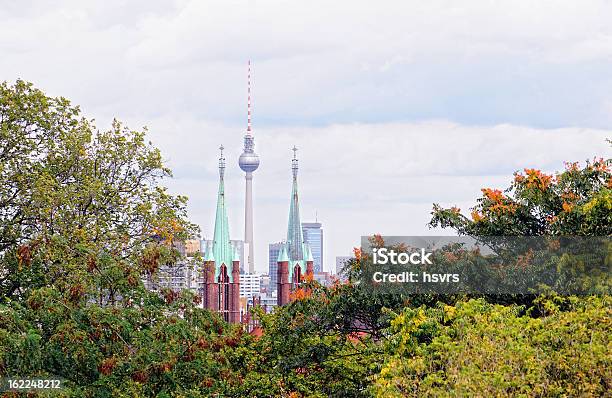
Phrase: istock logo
pixel 384 256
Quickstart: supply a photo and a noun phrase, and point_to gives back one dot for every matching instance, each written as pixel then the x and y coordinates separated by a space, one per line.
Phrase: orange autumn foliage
pixel 168 231
pixel 570 197
pixel 377 240
pixel 525 260
pixel 535 179
pixel 501 204
pixel 300 294
pixel 500 208
pixel 600 165
pixel 571 166
pixel 107 365
pixel 494 195
pixel 451 256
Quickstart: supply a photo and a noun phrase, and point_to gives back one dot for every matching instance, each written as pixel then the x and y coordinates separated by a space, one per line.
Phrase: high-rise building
pixel 249 162
pixel 273 251
pixel 295 258
pixel 265 284
pixel 340 263
pixel 324 278
pixel 250 285
pixel 180 276
pixel 183 275
pixel 313 235
pixel 221 276
pixel 268 301
pixel 188 247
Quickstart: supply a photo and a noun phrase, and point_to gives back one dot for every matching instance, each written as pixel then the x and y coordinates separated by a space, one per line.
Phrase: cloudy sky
pixel 394 105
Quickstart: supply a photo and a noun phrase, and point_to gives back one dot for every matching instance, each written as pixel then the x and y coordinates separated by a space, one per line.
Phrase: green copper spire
pixel 294 229
pixel 282 255
pixel 222 248
pixel 295 250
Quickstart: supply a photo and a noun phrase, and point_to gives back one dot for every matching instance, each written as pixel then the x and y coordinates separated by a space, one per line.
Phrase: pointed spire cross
pixel 294 162
pixel 221 162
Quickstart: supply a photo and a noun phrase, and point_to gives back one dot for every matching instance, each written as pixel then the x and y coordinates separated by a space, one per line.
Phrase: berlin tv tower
pixel 249 162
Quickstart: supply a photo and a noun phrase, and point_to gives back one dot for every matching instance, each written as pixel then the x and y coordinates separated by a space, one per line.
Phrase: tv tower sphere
pixel 249 161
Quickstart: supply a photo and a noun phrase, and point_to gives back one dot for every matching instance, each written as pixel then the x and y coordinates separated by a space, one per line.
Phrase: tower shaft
pixel 248 221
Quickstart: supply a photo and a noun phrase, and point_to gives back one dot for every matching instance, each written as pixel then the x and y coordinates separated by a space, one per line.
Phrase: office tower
pixel 313 236
pixel 250 285
pixel 273 251
pixel 340 263
pixel 183 275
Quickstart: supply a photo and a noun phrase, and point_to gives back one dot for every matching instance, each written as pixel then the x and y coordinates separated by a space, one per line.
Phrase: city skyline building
pixel 188 247
pixel 324 278
pixel 340 263
pixel 313 236
pixel 250 285
pixel 184 275
pixel 273 251
pixel 249 162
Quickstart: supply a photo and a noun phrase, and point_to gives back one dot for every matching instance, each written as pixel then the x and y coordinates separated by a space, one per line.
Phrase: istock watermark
pixel 486 265
pixel 385 256
pixel 414 277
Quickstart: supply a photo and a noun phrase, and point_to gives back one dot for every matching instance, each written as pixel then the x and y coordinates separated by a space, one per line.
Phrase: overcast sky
pixel 393 105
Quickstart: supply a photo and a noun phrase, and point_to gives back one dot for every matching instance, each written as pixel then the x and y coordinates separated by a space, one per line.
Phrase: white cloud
pixel 394 104
pixel 360 178
pixel 540 63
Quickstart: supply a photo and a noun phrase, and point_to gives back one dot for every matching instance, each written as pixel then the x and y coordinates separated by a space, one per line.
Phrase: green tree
pixel 577 201
pixel 83 220
pixel 479 349
pixel 553 345
pixel 79 208
pixel 315 346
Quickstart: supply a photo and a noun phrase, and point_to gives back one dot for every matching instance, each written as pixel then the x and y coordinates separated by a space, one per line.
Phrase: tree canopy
pixel 85 219
pixel 576 201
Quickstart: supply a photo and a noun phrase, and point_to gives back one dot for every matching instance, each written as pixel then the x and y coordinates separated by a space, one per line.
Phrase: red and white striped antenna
pixel 249 99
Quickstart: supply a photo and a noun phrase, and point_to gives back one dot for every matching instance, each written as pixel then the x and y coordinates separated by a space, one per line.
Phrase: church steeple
pixel 294 259
pixel 295 239
pixel 222 250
